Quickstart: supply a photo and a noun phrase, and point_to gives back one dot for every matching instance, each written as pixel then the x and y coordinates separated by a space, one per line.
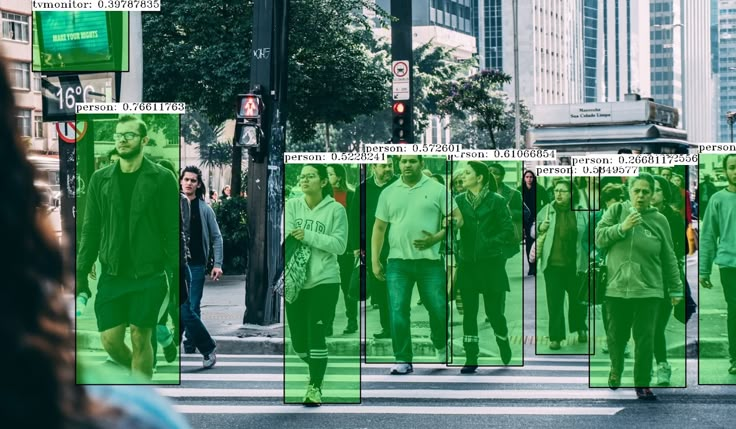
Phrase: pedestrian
pixel 204 232
pixel 343 194
pixel 131 223
pixel 564 258
pixel 320 222
pixel 641 265
pixel 360 239
pixel 197 333
pixel 486 230
pixel 706 190
pixel 534 196
pixel 413 207
pixel 225 194
pixel 717 244
pixel 213 197
pixel 660 200
pixel 512 197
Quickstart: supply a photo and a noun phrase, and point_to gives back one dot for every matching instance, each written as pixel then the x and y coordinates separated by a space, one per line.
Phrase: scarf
pixel 475 200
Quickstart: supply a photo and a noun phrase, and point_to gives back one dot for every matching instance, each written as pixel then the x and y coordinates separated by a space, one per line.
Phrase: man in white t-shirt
pixel 415 206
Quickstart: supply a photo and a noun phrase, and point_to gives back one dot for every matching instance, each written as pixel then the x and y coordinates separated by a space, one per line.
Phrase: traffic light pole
pixel 402 56
pixel 268 77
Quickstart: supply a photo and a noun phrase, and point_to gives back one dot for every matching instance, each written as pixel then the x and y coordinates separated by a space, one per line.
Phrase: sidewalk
pixel 223 306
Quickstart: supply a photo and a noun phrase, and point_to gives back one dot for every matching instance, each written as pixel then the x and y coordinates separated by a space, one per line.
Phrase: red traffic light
pixel 250 107
pixel 399 108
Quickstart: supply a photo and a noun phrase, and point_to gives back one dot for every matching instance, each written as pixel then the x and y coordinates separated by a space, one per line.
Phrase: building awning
pixel 649 138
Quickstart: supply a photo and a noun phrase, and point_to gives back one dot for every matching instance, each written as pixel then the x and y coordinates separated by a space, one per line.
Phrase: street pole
pixel 265 164
pixel 517 101
pixel 401 50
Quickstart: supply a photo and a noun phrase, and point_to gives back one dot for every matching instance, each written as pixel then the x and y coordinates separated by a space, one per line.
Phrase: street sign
pixel 401 91
pixel 71 132
pixel 400 69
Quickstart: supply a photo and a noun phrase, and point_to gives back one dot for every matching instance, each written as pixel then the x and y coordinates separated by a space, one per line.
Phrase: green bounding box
pixel 486 266
pixel 322 351
pixel 562 247
pixel 408 248
pixel 717 291
pixel 95 41
pixel 128 242
pixel 640 236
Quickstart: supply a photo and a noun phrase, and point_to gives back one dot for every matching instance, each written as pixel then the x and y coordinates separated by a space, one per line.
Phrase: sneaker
pixel 170 352
pixel 604 349
pixel 468 369
pixel 554 345
pixel 582 336
pixel 313 397
pixel 441 354
pixel 645 394
pixel 664 372
pixel 614 380
pixel 402 369
pixel 208 361
pixel 627 352
pixel 381 335
pixel 505 348
pixel 351 328
pixel 732 369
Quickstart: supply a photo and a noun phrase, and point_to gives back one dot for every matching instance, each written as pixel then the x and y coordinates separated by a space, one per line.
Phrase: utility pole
pixel 517 101
pixel 268 78
pixel 402 69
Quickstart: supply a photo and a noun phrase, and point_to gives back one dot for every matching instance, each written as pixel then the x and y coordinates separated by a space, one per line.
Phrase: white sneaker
pixel 208 361
pixel 402 369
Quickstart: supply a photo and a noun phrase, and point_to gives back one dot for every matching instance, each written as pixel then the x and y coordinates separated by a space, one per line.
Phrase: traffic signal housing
pixel 402 123
pixel 248 121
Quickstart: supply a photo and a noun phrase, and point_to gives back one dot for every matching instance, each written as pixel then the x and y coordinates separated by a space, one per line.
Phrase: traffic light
pixel 402 128
pixel 248 120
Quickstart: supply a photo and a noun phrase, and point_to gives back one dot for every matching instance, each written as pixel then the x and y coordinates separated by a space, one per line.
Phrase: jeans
pixel 728 280
pixel 197 334
pixel 429 276
pixel 196 289
pixel 637 316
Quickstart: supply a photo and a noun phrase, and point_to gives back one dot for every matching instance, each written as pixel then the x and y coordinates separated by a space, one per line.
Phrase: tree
pixel 480 99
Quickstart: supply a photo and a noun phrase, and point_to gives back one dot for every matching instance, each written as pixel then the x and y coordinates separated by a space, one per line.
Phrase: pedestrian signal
pixel 402 123
pixel 250 107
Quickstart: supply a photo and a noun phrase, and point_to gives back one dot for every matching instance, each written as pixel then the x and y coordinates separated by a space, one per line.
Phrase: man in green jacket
pixel 132 223
pixel 718 245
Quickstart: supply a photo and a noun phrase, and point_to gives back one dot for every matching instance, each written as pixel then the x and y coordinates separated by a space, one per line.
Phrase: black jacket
pixel 486 230
pixel 153 225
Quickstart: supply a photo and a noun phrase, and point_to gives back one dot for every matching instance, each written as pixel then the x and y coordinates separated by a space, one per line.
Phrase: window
pixel 15 27
pixel 20 75
pixel 24 122
pixel 37 82
pixel 38 126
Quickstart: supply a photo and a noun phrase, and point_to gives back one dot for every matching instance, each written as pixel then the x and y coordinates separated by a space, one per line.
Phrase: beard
pixel 134 152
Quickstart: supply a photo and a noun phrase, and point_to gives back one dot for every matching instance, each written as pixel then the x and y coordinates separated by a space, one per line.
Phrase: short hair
pixel 142 128
pixel 725 160
pixel 642 176
pixel 200 191
pixel 574 197
pixel 419 157
pixel 499 167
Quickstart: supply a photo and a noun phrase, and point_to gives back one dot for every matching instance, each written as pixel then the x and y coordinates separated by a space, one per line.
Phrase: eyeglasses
pixel 307 177
pixel 127 136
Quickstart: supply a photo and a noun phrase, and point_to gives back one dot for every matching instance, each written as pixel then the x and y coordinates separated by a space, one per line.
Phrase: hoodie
pixel 641 261
pixel 325 231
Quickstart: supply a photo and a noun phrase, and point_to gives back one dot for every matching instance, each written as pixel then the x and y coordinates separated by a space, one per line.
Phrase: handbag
pixel 685 309
pixel 355 291
pixel 539 243
pixel 295 270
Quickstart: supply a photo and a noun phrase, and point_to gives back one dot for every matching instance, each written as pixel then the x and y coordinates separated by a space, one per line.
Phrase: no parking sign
pixel 71 132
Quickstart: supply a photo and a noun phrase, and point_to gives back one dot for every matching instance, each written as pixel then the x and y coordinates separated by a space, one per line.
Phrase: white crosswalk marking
pixel 253 384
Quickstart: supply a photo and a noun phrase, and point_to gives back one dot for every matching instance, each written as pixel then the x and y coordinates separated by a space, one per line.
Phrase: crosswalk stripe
pixel 222 364
pixel 494 379
pixel 524 394
pixel 414 410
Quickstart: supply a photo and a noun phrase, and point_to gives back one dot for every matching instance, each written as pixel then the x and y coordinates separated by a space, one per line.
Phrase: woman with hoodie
pixel 320 222
pixel 564 257
pixel 641 265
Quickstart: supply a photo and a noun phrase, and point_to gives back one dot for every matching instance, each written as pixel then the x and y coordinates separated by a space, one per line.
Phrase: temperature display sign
pixel 62 93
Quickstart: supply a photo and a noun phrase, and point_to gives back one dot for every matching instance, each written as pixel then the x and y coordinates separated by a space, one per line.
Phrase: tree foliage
pixel 480 99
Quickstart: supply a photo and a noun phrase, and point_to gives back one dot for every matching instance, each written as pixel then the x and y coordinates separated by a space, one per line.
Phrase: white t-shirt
pixel 411 210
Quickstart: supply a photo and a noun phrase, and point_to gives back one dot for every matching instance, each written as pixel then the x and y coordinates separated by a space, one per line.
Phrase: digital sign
pixel 81 41
pixel 62 93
